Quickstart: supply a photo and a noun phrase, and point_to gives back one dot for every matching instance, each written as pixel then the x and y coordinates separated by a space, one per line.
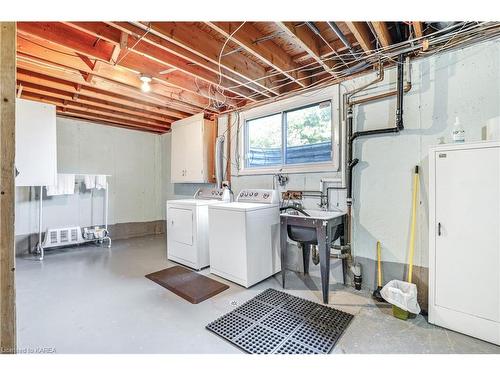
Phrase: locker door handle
pixel 439 229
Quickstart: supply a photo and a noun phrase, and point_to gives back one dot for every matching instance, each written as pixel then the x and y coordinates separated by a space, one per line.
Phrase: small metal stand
pixel 40 251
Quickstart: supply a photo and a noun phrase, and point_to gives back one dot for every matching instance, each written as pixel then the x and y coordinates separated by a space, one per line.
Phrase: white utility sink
pixel 315 214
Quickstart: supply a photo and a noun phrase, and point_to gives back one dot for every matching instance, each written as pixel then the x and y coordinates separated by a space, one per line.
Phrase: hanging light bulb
pixel 145 87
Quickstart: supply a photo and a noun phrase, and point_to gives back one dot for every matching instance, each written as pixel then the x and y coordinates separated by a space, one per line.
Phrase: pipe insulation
pixel 219 160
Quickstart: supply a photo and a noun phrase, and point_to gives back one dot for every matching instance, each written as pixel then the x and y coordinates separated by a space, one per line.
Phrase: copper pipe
pixel 380 96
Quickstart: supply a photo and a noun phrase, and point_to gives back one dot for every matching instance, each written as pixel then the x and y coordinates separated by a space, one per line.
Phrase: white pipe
pixel 40 224
pixel 219 160
pixel 106 196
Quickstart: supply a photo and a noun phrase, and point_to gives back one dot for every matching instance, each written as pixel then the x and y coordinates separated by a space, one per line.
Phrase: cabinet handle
pixel 439 229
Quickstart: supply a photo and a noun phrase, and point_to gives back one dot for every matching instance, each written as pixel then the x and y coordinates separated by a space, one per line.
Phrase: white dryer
pixel 187 227
pixel 244 237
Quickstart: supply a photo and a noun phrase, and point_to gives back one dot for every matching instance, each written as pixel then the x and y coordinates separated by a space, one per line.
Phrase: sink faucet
pixel 298 205
pixel 323 203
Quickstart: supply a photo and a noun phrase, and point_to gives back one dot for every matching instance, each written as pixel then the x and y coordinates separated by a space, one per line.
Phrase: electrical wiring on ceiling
pixel 449 36
pixel 466 32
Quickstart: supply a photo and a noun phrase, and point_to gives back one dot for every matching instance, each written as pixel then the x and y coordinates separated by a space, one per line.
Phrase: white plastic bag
pixel 401 294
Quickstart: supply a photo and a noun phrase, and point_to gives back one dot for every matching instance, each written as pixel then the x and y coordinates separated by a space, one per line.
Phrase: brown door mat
pixel 187 284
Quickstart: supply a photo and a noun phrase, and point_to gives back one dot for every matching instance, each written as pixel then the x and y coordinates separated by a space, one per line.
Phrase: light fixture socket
pixel 145 78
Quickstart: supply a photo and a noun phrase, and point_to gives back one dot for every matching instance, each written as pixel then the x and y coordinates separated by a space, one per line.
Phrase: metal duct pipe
pixel 219 160
pixel 313 28
pixel 341 36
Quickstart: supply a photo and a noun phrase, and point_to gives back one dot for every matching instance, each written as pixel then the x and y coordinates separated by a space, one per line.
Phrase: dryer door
pixel 180 225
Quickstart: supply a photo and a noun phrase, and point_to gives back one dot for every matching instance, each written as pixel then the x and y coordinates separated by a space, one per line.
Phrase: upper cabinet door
pixel 36 143
pixel 178 154
pixel 195 158
pixel 191 149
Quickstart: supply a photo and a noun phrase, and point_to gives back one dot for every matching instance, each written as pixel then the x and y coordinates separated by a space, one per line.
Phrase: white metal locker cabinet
pixel 464 239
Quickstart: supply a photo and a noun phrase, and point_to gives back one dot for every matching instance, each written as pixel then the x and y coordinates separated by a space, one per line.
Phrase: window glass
pixel 309 134
pixel 298 136
pixel 264 141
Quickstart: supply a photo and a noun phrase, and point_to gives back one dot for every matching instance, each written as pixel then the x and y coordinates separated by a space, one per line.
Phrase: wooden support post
pixel 7 189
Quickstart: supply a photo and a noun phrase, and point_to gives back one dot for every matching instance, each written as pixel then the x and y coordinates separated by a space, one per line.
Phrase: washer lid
pixel 243 206
pixel 194 202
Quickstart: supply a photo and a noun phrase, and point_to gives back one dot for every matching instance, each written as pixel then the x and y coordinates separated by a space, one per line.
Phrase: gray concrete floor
pixel 97 300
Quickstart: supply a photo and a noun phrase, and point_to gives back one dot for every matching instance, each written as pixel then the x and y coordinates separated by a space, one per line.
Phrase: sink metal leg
pixel 306 255
pixel 283 247
pixel 324 259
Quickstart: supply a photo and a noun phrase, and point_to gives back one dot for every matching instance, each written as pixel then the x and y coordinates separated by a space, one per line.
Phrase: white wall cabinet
pixel 36 143
pixel 464 240
pixel 192 148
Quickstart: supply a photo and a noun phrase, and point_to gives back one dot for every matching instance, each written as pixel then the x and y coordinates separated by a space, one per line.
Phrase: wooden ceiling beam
pixel 192 59
pixel 137 45
pixel 50 59
pixel 136 63
pixel 306 39
pixel 124 98
pixel 78 41
pixel 418 28
pixel 93 102
pixel 383 34
pixel 65 113
pixel 190 91
pixel 267 51
pixel 140 125
pixel 156 96
pixel 362 33
pixel 80 108
pixel 188 36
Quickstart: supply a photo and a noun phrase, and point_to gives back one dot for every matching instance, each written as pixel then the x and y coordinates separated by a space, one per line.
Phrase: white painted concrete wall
pixel 463 83
pixel 134 159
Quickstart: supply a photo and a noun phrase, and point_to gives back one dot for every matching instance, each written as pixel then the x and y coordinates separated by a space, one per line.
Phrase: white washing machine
pixel 187 227
pixel 244 237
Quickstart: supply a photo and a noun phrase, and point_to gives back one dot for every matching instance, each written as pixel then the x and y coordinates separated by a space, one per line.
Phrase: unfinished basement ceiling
pixel 91 70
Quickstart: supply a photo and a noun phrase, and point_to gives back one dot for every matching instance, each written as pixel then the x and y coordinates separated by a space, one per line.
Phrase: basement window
pixel 294 139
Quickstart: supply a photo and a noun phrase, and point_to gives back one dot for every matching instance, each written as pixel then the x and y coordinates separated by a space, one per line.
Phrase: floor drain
pixel 277 322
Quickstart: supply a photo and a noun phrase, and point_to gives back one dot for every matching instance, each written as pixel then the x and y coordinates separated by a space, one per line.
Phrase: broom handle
pixel 413 223
pixel 379 256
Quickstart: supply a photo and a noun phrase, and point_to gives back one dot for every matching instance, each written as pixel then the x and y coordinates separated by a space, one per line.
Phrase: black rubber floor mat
pixel 277 322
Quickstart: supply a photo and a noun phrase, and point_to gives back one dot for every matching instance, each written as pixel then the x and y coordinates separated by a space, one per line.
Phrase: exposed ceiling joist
pixel 188 36
pixel 60 60
pixel 307 41
pixel 265 50
pixel 186 72
pixel 112 92
pixel 111 114
pixel 418 28
pixel 94 102
pixel 362 34
pixel 64 112
pixel 199 92
pixel 383 34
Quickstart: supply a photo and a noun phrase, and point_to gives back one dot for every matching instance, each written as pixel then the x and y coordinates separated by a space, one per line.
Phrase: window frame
pixel 287 105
